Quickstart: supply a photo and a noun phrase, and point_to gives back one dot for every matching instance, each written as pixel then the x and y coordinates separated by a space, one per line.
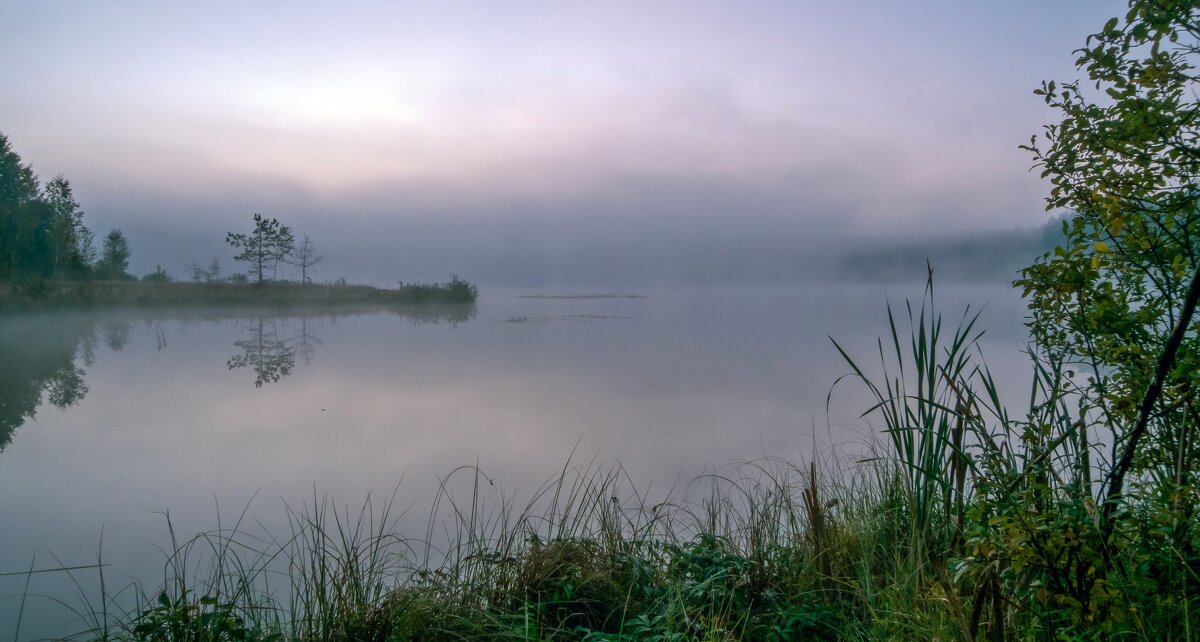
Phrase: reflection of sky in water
pixel 665 384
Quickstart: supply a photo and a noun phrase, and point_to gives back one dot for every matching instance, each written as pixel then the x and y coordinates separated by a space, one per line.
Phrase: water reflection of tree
pixel 270 345
pixel 451 315
pixel 44 357
pixel 306 344
pixel 116 333
pixel 263 350
pixel 39 359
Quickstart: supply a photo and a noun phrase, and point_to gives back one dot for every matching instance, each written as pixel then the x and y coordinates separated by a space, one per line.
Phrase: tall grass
pixel 587 556
pixel 1006 519
pixel 925 398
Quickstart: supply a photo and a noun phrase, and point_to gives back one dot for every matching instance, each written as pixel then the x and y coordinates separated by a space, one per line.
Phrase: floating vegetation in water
pixel 590 317
pixel 564 317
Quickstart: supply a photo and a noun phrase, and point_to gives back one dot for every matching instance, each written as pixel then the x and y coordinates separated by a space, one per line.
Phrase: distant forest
pixel 42 234
pixel 997 256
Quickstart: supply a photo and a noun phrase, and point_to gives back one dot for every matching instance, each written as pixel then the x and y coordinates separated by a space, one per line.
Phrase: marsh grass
pixel 586 556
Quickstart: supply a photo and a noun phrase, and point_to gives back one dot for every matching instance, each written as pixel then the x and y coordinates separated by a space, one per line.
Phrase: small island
pixel 48 259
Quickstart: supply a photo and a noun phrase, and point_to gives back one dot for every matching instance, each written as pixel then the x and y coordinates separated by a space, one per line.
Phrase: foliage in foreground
pixel 1112 311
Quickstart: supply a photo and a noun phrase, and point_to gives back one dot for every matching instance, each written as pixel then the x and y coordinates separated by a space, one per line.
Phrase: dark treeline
pixel 43 238
pixel 48 258
pixel 41 227
pixel 42 234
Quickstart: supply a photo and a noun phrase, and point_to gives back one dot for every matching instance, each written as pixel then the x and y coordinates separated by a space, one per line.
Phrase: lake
pixel 111 419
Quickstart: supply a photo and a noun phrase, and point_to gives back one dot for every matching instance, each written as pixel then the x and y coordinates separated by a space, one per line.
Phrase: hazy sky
pixel 532 141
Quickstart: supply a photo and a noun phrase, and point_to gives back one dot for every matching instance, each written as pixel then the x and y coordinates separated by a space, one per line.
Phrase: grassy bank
pixel 115 294
pixel 966 521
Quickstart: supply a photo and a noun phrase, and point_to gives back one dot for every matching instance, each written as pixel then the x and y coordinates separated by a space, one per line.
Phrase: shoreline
pixel 55 295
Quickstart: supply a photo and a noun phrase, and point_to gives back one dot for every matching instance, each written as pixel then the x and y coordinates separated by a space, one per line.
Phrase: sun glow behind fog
pixel 323 126
pixel 343 127
pixel 349 99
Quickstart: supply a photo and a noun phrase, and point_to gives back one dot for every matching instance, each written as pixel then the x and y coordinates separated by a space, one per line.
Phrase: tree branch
pixel 1116 477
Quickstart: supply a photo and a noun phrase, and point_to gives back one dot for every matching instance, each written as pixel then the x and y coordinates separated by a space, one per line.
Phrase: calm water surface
pixel 108 420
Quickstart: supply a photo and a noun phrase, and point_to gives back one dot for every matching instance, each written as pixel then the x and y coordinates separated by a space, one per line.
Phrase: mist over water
pixel 128 415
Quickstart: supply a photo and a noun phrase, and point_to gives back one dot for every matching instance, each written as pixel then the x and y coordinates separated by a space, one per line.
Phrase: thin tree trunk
pixel 1116 477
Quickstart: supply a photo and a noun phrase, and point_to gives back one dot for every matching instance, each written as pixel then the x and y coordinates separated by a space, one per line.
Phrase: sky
pixel 540 143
